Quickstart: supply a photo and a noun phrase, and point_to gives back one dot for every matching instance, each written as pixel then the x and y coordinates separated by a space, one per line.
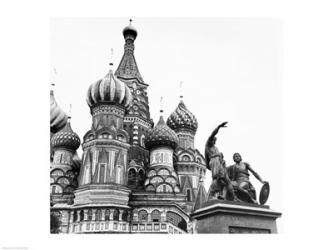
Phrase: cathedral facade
pixel 133 176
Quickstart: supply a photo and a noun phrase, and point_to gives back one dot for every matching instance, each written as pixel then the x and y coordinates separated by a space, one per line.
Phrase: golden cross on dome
pixel 53 78
pixel 181 90
pixel 111 61
pixel 161 105
pixel 70 112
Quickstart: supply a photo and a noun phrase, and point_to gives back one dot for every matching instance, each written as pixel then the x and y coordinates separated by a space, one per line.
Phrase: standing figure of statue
pixel 239 176
pixel 221 186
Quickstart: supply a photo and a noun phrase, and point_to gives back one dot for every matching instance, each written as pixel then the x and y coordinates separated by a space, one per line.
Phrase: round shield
pixel 264 193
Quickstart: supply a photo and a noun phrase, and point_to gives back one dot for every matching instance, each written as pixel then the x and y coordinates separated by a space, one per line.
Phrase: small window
pixel 107 214
pixel 116 215
pixel 89 214
pixel 155 216
pixel 188 195
pixel 143 215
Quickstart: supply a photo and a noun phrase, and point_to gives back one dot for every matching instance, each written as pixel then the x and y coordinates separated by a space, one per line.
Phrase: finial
pixel 181 90
pixel 161 105
pixel 130 21
pixel 70 113
pixel 53 77
pixel 111 61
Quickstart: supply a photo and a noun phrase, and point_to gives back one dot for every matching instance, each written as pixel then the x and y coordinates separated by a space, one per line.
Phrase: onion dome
pixel 58 117
pixel 66 138
pixel 161 135
pixel 130 31
pixel 182 118
pixel 109 90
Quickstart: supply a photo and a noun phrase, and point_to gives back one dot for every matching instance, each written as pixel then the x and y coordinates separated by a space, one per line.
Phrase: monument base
pixel 218 216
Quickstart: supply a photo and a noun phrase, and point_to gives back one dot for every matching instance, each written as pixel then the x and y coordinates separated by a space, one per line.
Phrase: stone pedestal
pixel 217 216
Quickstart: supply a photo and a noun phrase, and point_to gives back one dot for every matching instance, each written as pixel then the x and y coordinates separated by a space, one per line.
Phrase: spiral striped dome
pixel 66 138
pixel 161 135
pixel 182 118
pixel 109 90
pixel 58 117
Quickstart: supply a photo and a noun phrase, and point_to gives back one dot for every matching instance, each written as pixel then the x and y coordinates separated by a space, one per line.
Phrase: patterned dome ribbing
pixel 182 118
pixel 109 90
pixel 66 138
pixel 58 117
pixel 161 135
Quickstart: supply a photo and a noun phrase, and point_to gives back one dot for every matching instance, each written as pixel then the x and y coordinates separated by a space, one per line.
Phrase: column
pixel 103 215
pixel 93 214
pixel 121 215
pixel 85 215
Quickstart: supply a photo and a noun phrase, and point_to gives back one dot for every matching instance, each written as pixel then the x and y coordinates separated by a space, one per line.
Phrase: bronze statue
pixel 239 176
pixel 221 186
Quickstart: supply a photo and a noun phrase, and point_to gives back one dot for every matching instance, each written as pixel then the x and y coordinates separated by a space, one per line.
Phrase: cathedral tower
pixel 137 121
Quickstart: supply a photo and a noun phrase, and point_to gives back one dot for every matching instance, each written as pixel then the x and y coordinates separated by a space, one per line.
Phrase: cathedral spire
pixel 128 68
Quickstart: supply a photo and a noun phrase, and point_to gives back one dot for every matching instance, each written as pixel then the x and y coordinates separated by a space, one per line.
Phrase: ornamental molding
pixel 106 143
pixel 137 120
pixel 107 109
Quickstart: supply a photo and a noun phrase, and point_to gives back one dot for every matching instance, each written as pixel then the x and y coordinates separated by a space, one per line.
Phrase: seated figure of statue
pixel 239 176
pixel 221 186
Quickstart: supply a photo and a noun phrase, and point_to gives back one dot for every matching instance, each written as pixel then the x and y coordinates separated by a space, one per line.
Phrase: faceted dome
pixel 109 90
pixel 130 31
pixel 66 138
pixel 58 117
pixel 161 135
pixel 182 118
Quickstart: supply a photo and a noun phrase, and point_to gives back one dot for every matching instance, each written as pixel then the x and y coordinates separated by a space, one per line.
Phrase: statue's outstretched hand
pixel 223 125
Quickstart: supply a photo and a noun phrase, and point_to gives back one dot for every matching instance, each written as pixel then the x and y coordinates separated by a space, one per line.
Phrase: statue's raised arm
pixel 210 148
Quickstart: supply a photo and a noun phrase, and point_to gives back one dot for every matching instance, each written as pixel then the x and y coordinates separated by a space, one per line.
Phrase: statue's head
pixel 237 157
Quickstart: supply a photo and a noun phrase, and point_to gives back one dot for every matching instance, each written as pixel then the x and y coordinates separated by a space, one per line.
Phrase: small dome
pixel 109 90
pixel 66 138
pixel 130 31
pixel 58 117
pixel 161 135
pixel 182 118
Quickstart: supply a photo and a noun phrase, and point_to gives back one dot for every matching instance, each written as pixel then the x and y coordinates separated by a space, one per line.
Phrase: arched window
pixel 185 158
pixel 89 214
pixel 131 177
pixel 143 215
pixel 107 214
pixel 150 188
pixel 81 215
pixel 75 216
pixel 142 141
pixel 155 216
pixel 56 189
pixel 56 173
pixel 141 177
pixel 124 216
pixel 188 195
pixel 116 215
pixel 98 214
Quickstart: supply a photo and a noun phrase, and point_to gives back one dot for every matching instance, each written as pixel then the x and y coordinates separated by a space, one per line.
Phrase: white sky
pixel 230 67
